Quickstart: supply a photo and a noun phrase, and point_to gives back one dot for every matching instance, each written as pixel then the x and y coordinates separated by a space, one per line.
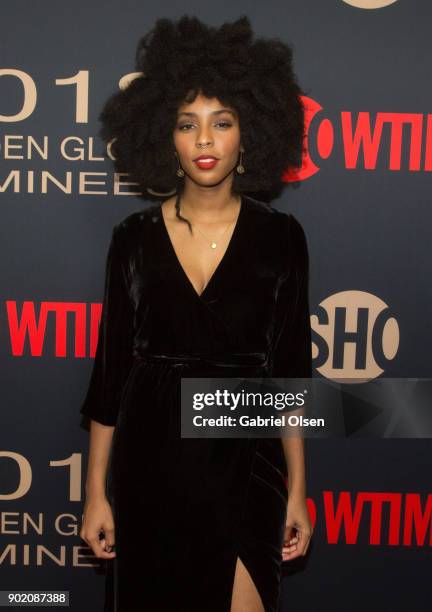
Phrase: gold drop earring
pixel 240 168
pixel 180 171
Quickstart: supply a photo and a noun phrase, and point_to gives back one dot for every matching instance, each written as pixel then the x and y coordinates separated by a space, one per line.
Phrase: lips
pixel 206 162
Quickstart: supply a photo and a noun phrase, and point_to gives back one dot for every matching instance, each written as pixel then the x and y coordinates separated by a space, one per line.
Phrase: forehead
pixel 204 106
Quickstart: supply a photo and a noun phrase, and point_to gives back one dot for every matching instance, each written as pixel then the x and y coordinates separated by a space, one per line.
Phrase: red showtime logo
pixel 363 137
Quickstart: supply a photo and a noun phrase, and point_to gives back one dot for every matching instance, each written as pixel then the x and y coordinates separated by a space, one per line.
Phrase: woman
pixel 199 524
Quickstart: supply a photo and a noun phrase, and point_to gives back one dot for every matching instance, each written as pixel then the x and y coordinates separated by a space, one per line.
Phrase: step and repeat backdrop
pixel 364 200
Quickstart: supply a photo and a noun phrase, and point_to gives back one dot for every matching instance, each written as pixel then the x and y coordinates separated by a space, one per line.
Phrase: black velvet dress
pixel 184 509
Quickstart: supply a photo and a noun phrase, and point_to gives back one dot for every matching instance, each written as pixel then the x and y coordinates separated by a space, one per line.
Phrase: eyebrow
pixel 218 112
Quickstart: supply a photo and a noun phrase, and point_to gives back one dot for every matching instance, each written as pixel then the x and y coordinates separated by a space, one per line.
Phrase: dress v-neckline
pixel 222 262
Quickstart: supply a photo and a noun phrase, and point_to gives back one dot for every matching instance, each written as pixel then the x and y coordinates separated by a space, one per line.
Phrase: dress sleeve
pixel 292 352
pixel 113 358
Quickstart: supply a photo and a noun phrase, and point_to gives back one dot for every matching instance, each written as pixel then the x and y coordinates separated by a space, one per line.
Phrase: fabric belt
pixel 231 360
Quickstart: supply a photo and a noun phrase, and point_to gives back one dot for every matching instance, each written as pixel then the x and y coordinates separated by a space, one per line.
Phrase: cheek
pixel 182 142
pixel 230 143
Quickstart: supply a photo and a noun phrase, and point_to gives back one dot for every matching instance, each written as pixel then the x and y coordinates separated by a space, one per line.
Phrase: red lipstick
pixel 206 162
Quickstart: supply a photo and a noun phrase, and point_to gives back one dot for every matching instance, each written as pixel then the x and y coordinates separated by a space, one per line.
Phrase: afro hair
pixel 178 60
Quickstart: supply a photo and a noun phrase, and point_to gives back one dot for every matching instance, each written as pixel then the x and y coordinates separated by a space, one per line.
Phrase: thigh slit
pixel 245 595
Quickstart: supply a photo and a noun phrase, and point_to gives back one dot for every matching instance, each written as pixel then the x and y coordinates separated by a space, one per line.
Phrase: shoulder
pixel 132 227
pixel 284 235
pixel 135 221
pixel 284 223
pixel 261 209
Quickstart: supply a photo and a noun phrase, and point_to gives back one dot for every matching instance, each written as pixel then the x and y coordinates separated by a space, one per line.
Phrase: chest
pixel 199 255
pixel 183 289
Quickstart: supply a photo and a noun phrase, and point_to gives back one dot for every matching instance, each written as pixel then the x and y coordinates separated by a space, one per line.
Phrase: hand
pixel 298 528
pixel 98 517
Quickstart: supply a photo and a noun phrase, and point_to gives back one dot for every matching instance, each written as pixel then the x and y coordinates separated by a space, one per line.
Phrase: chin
pixel 211 181
pixel 209 177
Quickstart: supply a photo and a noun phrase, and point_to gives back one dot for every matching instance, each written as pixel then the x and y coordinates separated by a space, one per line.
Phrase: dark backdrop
pixel 364 202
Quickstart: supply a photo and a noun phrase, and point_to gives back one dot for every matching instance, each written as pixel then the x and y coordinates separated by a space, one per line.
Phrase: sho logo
pixel 356 335
pixel 369 4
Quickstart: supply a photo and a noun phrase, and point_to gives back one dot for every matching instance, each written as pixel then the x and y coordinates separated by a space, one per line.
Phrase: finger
pixel 289 536
pixel 287 550
pixel 298 548
pixel 106 545
pixel 110 537
pixel 98 548
pixel 289 556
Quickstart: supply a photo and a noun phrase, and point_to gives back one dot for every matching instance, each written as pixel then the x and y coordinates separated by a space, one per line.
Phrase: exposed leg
pixel 245 596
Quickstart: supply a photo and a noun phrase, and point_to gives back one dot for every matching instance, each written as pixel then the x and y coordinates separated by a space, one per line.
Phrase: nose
pixel 203 138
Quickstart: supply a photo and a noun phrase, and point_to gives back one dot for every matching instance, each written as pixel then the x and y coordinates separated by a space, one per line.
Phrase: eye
pixel 184 125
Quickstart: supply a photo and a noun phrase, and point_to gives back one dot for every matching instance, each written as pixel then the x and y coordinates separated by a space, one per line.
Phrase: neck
pixel 207 203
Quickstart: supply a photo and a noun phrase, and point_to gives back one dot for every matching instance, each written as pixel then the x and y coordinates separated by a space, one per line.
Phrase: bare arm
pixel 99 449
pixel 298 528
pixel 294 455
pixel 97 511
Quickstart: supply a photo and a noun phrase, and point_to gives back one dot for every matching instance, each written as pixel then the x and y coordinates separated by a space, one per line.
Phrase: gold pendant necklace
pixel 213 244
